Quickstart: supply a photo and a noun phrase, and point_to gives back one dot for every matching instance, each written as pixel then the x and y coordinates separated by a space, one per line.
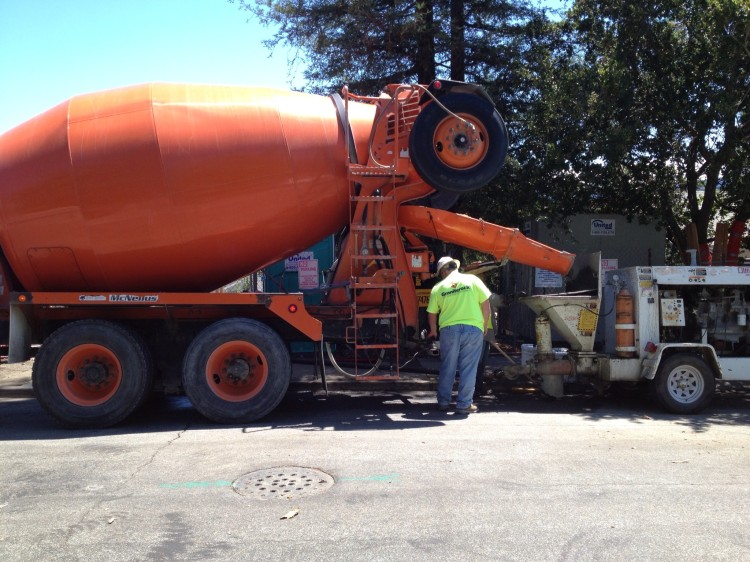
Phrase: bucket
pixel 528 351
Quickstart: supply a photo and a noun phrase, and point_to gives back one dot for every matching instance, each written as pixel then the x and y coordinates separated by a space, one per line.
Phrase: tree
pixel 620 107
pixel 370 43
pixel 644 114
pixel 502 45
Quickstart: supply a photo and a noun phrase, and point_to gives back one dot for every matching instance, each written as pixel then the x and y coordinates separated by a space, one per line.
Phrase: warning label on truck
pixel 586 322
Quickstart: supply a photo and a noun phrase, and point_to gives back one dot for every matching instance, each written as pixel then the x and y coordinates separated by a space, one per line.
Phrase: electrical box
pixel 672 312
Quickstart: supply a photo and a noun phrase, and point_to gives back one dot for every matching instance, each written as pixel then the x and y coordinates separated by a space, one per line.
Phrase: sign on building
pixel 290 264
pixel 602 227
pixel 307 272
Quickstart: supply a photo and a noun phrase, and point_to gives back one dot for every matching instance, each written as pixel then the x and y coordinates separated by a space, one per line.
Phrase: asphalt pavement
pixel 379 474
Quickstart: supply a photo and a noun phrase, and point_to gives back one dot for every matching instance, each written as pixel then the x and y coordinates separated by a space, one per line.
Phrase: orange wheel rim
pixel 88 375
pixel 236 371
pixel 460 143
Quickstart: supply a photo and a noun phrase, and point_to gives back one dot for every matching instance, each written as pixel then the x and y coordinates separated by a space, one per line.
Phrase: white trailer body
pixel 689 329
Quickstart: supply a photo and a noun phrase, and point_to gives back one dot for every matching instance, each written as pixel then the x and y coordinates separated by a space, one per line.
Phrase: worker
pixel 460 302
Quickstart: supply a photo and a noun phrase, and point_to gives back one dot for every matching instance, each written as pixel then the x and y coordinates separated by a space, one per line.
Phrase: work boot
pixel 471 408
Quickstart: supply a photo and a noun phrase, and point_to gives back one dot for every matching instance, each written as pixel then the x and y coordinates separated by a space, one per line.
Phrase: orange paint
pixel 172 187
pixel 625 326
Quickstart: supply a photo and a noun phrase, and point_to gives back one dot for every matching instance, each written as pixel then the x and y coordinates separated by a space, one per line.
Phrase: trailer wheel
pixel 461 149
pixel 236 370
pixel 684 384
pixel 92 373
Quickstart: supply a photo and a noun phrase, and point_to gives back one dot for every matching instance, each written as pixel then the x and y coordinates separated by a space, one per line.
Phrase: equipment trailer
pixel 680 328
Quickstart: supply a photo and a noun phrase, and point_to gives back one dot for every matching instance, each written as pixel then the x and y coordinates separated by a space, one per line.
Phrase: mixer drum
pixel 166 187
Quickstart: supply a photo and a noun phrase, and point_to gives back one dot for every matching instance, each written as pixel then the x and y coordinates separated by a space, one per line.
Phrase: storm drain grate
pixel 285 482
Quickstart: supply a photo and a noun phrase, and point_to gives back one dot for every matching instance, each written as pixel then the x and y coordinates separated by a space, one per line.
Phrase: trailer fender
pixel 663 351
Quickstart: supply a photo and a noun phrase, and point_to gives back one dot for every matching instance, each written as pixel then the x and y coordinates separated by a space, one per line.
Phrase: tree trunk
pixel 457 42
pixel 425 62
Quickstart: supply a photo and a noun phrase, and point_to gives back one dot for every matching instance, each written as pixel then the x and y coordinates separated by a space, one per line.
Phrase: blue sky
pixel 51 50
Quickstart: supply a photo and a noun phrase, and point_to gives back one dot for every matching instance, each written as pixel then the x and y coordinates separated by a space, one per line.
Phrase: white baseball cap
pixel 445 260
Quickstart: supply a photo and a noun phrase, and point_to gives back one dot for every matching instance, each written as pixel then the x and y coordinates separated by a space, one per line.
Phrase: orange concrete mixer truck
pixel 123 212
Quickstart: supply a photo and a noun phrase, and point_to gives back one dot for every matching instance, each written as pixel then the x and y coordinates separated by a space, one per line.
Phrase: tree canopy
pixel 370 43
pixel 615 107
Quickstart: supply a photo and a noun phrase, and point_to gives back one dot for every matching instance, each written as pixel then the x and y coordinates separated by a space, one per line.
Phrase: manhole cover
pixel 283 482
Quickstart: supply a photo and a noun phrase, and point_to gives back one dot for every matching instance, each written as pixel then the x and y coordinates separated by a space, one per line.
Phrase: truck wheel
pixel 460 153
pixel 236 370
pixel 92 373
pixel 684 384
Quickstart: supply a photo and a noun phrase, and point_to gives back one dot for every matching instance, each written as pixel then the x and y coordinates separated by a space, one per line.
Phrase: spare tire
pixel 458 144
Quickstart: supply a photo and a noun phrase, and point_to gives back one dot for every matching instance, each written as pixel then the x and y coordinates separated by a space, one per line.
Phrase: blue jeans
pixel 460 348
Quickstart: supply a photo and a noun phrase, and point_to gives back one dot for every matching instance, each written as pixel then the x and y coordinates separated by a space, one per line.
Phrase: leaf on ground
pixel 290 514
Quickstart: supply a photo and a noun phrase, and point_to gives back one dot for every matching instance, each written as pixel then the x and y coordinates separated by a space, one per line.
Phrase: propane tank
pixel 735 238
pixel 624 327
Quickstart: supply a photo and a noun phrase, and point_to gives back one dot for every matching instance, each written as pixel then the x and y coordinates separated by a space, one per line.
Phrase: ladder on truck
pixel 373 227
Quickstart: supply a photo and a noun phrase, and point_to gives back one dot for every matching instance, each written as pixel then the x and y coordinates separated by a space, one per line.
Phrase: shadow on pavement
pixel 730 406
pixel 307 408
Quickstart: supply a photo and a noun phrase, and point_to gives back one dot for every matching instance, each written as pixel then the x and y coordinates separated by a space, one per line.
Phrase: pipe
pixel 552 382
pixel 499 241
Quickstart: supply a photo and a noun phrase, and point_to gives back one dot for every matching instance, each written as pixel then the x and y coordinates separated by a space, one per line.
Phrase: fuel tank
pixel 172 187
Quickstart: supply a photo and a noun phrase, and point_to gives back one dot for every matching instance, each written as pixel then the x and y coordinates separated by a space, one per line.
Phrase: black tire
pixel 236 370
pixel 684 384
pixel 92 374
pixel 447 154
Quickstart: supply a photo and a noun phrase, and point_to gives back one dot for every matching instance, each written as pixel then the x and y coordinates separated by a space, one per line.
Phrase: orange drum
pixel 168 187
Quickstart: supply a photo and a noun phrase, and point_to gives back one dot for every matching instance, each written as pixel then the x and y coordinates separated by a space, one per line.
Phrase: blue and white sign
pixel 292 263
pixel 602 227
pixel 547 279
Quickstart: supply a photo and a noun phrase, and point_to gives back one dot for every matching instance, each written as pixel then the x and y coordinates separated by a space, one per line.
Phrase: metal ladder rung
pixel 374 284
pixel 387 276
pixel 370 227
pixel 373 257
pixel 372 171
pixel 372 197
pixel 375 315
pixel 376 346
